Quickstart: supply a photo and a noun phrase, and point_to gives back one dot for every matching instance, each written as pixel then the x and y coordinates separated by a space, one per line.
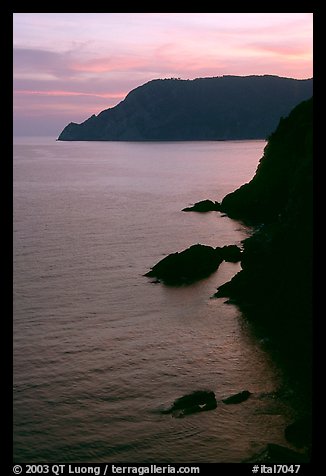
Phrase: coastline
pixel 274 288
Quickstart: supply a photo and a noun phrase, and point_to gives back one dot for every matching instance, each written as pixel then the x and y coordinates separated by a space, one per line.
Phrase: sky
pixel 68 66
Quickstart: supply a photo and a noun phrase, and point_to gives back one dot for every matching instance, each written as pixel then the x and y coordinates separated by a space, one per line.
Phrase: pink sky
pixel 68 66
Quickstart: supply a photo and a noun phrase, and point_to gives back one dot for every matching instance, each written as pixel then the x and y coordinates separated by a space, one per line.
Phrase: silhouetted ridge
pixel 220 108
pixel 286 158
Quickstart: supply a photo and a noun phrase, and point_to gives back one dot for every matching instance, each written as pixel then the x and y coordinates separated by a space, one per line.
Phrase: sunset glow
pixel 70 65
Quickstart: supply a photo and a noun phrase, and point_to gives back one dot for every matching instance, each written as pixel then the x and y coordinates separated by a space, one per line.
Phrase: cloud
pixel 27 92
pixel 280 49
pixel 79 64
pixel 41 64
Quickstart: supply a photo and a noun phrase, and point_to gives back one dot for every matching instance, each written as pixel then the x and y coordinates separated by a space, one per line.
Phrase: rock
pixel 188 266
pixel 279 454
pixel 231 253
pixel 192 264
pixel 198 401
pixel 203 207
pixel 237 398
pixel 299 432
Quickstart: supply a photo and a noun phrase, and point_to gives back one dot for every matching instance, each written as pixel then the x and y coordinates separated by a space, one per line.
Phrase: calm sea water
pixel 99 350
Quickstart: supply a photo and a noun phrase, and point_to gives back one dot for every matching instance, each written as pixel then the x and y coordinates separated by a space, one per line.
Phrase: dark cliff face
pixel 274 288
pixel 221 108
pixel 287 156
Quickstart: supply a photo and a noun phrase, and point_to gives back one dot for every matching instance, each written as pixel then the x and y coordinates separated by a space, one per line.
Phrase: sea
pixel 100 350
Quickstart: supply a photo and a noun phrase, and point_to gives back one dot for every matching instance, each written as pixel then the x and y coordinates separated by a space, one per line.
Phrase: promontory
pixel 216 108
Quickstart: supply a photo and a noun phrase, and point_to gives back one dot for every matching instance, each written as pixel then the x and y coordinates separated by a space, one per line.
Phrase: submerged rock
pixel 188 266
pixel 203 207
pixel 198 401
pixel 237 398
pixel 192 264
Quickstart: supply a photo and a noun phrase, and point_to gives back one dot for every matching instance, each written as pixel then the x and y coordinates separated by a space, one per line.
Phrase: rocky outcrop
pixel 237 398
pixel 201 401
pixel 230 253
pixel 203 207
pixel 188 266
pixel 220 108
pixel 198 401
pixel 194 263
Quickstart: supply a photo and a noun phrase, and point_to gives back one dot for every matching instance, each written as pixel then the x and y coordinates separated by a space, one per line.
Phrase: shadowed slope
pixel 220 108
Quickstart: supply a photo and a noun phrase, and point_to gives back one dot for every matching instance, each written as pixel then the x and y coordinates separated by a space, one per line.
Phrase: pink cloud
pixel 27 92
pixel 282 49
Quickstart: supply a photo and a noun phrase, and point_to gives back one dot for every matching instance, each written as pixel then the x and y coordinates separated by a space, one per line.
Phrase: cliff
pixel 274 287
pixel 219 108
